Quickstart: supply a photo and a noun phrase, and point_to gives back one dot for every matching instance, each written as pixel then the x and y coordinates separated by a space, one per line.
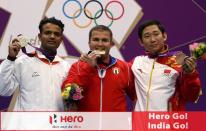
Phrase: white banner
pixel 66 121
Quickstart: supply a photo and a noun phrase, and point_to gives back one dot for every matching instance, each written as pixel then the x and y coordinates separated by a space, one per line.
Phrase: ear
pixel 140 42
pixel 62 37
pixel 165 36
pixel 90 46
pixel 112 43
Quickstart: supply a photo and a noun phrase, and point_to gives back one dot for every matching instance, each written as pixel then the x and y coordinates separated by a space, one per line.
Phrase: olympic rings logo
pixel 88 13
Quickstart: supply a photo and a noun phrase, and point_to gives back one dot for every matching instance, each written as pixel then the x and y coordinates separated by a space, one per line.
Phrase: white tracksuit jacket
pixel 156 81
pixel 38 80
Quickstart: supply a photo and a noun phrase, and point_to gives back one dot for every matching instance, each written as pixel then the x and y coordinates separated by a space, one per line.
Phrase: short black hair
pixel 149 23
pixel 52 20
pixel 100 28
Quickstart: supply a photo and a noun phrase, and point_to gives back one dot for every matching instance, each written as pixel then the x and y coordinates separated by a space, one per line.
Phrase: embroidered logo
pixel 172 62
pixel 116 70
pixel 140 70
pixel 167 72
pixel 35 74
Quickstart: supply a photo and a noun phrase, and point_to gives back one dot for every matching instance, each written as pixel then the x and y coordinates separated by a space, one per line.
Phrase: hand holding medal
pixel 92 56
pixel 188 63
pixel 23 41
pixel 17 43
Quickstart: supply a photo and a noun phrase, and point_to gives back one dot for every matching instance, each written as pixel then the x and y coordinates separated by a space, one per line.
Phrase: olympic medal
pixel 100 52
pixel 180 58
pixel 23 41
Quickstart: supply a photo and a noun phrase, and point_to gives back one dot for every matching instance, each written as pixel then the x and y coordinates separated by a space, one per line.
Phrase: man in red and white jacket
pixel 105 80
pixel 162 84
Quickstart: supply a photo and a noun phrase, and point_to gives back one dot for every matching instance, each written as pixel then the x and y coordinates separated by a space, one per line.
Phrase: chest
pixel 148 71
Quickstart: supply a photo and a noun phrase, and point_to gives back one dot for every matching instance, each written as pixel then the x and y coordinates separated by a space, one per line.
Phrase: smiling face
pixel 101 40
pixel 153 40
pixel 51 37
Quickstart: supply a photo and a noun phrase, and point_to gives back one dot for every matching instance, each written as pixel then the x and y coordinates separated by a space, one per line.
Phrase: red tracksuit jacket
pixel 104 87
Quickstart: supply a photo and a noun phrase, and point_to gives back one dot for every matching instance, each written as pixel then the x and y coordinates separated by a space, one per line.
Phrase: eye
pixel 105 40
pixel 147 36
pixel 156 33
pixel 57 34
pixel 47 32
pixel 96 39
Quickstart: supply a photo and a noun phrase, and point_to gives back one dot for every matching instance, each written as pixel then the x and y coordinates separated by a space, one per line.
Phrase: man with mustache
pixel 39 76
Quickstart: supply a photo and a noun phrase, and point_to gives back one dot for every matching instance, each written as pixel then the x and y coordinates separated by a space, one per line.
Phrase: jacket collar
pixel 112 61
pixel 40 56
pixel 162 53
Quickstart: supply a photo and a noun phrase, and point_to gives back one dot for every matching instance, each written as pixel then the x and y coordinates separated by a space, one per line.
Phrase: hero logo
pixel 63 119
pixel 53 119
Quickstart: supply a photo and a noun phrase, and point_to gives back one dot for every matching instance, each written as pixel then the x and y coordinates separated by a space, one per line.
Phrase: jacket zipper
pixel 102 73
pixel 150 82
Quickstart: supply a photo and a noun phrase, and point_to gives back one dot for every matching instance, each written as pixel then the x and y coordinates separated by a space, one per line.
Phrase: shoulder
pixel 122 64
pixel 64 64
pixel 81 64
pixel 171 62
pixel 23 58
pixel 138 59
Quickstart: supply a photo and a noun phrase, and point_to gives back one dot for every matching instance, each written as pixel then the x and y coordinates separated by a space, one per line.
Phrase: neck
pixel 156 54
pixel 49 54
pixel 105 60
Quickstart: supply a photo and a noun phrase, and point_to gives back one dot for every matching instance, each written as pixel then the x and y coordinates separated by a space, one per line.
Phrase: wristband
pixel 11 58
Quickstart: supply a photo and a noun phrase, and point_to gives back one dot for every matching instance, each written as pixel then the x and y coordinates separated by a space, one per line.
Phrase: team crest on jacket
pixel 167 72
pixel 116 70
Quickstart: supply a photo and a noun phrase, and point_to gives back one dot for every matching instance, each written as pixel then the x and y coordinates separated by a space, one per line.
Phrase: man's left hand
pixel 189 65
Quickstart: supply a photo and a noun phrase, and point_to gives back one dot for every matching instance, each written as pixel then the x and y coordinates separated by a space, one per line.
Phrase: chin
pixel 50 49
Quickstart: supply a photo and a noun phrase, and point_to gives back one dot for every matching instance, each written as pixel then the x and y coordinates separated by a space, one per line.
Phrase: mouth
pixel 100 51
pixel 100 48
pixel 155 44
pixel 51 42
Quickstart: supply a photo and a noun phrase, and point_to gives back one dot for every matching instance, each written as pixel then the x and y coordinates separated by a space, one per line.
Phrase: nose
pixel 52 35
pixel 152 39
pixel 100 43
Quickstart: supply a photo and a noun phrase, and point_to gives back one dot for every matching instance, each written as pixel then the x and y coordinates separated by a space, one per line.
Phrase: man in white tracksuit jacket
pixel 39 75
pixel 162 84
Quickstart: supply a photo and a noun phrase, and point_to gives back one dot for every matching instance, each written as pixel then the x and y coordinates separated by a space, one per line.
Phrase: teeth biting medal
pixel 100 52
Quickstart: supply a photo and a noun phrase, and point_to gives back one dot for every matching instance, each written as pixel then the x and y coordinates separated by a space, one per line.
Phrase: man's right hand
pixel 90 58
pixel 14 48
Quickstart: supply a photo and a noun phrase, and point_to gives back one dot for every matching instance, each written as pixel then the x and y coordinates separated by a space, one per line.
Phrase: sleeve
pixel 66 66
pixel 79 73
pixel 190 86
pixel 131 92
pixel 8 78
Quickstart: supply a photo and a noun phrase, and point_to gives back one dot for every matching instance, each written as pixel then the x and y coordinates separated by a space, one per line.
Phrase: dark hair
pixel 149 23
pixel 52 20
pixel 100 28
